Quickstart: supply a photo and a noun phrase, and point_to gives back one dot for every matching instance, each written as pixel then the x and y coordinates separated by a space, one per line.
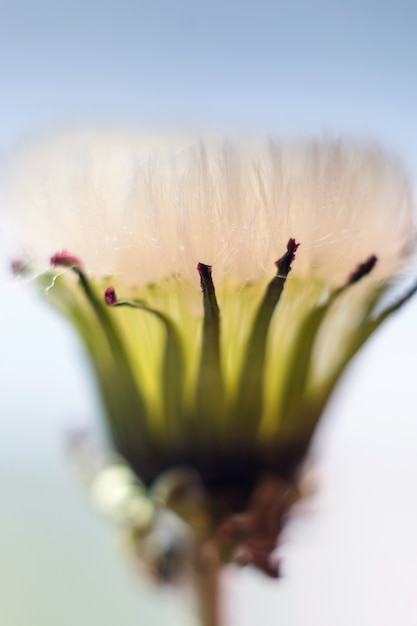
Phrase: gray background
pixel 278 68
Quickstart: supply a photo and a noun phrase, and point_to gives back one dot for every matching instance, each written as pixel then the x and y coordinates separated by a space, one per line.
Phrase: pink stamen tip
pixel 64 259
pixel 18 267
pixel 110 297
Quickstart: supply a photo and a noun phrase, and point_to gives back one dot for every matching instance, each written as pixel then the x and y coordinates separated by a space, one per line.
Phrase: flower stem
pixel 207 586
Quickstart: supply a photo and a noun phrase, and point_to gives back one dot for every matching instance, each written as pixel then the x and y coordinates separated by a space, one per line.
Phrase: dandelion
pixel 220 288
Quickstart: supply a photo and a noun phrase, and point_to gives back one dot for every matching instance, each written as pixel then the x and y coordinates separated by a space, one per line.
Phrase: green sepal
pixel 362 333
pixel 301 408
pixel 127 415
pixel 172 374
pixel 209 395
pixel 249 401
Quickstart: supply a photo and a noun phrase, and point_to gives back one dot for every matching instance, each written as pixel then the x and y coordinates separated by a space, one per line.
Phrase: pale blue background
pixel 278 68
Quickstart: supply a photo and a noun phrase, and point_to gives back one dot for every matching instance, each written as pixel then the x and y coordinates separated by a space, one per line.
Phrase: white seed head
pixel 144 207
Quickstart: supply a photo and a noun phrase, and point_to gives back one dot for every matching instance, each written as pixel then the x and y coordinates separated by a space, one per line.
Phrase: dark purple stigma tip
pixel 110 297
pixel 204 270
pixel 284 263
pixel 64 259
pixel 363 269
pixel 292 246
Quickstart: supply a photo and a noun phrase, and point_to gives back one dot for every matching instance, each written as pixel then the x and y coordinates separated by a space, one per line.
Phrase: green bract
pixel 241 377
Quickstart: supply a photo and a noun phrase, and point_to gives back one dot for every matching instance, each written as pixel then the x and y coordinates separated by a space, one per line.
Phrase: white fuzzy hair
pixel 146 207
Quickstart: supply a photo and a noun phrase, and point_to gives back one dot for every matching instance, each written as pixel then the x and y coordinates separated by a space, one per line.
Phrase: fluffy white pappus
pixel 144 207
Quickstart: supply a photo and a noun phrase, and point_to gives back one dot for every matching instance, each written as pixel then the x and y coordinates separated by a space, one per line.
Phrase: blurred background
pixel 283 69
